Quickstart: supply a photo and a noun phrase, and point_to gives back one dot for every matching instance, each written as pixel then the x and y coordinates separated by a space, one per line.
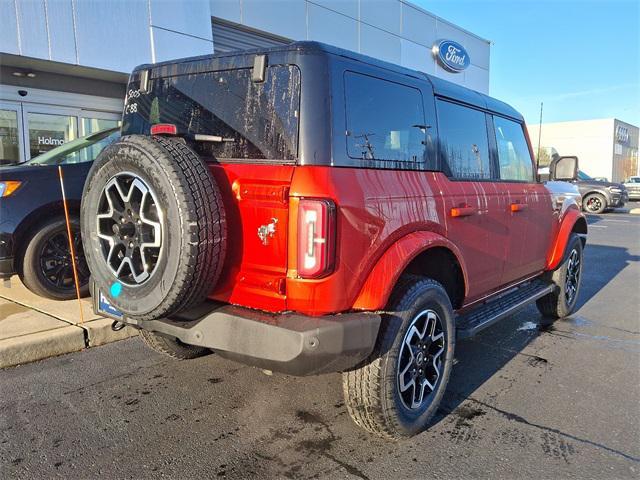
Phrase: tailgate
pixel 256 200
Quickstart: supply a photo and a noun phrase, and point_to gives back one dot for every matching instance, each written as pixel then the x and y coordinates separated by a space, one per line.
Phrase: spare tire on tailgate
pixel 153 226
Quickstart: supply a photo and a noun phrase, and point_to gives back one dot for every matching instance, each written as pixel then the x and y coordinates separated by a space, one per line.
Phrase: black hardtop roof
pixel 441 87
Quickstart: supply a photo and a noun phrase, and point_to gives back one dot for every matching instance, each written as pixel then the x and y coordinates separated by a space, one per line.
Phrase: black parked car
pixel 597 195
pixel 33 235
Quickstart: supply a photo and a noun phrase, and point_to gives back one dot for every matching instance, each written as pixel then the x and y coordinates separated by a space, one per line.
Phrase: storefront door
pixel 11 150
pixel 28 130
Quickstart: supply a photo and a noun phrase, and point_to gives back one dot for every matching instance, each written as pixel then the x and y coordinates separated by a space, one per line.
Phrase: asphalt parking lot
pixel 523 402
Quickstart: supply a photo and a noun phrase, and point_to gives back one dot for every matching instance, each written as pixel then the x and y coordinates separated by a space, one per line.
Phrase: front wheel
pixel 397 391
pixel 46 267
pixel 595 203
pixel 567 278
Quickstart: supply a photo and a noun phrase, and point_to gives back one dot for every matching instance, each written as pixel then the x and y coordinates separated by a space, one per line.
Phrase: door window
pixel 48 131
pixel 9 140
pixel 513 151
pixel 464 143
pixel 385 120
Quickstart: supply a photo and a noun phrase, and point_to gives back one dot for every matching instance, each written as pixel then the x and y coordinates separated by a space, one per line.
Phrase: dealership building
pixel 64 63
pixel 606 148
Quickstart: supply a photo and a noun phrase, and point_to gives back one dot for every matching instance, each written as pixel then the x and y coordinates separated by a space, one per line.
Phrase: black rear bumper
pixel 289 343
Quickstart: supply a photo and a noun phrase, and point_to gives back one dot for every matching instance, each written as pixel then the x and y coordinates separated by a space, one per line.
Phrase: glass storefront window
pixel 92 125
pixel 9 147
pixel 47 131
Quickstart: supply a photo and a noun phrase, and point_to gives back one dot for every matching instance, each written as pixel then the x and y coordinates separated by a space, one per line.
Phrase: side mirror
pixel 564 168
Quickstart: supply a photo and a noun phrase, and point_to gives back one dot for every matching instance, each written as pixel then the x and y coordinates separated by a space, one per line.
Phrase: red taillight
pixel 316 237
pixel 164 129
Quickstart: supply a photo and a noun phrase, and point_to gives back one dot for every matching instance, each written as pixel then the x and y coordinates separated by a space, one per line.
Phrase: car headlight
pixel 7 187
pixel 615 190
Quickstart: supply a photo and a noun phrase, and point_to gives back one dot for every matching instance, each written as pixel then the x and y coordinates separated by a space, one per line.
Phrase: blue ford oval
pixel 452 55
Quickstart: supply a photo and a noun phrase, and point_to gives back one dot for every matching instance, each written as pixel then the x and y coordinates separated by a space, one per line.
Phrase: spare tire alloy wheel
pixel 130 224
pixel 153 227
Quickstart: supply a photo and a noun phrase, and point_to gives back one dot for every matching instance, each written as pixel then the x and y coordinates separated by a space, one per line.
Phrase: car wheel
pixel 595 203
pixel 171 347
pixel 567 278
pixel 396 392
pixel 154 227
pixel 46 267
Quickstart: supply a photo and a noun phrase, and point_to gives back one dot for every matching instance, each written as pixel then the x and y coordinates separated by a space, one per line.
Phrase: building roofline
pixel 24 63
pixel 444 20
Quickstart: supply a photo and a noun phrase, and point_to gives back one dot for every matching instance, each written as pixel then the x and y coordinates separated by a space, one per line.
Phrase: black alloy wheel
pixel 47 269
pixel 56 264
pixel 595 203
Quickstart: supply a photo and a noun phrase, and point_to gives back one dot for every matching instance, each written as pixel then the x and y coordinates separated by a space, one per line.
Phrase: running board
pixel 495 309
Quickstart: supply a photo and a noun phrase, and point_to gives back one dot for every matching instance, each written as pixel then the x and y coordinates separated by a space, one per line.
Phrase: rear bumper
pixel 289 343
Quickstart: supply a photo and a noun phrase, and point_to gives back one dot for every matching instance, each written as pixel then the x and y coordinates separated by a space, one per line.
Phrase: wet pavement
pixel 523 402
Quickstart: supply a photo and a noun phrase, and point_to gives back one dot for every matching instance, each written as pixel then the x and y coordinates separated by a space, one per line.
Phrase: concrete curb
pixel 99 332
pixel 34 328
pixel 36 346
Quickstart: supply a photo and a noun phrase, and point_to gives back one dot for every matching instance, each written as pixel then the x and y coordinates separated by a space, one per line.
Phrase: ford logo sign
pixel 451 55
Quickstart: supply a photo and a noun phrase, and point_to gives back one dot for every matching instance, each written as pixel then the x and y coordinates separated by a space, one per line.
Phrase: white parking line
pixel 598 226
pixel 617 221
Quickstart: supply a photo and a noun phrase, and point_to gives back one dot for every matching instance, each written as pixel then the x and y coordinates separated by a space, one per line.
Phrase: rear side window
pixel 254 121
pixel 385 121
pixel 513 151
pixel 463 142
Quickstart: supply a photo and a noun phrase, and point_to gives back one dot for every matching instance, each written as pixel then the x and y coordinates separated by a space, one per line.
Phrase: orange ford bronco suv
pixel 306 209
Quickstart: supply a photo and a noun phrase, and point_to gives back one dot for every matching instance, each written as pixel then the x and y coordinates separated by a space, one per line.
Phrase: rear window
pixel 248 120
pixel 385 121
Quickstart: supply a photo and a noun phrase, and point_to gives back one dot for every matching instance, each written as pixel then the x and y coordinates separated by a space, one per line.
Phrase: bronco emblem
pixel 265 232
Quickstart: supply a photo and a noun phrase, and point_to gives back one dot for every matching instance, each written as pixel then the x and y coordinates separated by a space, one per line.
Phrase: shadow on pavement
pixel 602 264
pixel 480 358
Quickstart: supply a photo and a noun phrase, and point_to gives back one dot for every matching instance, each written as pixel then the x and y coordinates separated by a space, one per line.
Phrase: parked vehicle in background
pixel 33 235
pixel 597 196
pixel 633 187
pixel 307 209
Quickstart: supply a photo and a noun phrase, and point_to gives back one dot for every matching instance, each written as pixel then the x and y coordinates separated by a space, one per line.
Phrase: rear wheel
pixel 397 391
pixel 595 203
pixel 47 268
pixel 171 347
pixel 567 278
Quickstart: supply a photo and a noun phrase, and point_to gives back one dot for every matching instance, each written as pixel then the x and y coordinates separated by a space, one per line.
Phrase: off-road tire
pixel 194 241
pixel 555 305
pixel 170 347
pixel 594 197
pixel 30 271
pixel 371 390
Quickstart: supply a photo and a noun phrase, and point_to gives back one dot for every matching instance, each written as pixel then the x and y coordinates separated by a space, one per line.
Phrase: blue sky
pixel 581 58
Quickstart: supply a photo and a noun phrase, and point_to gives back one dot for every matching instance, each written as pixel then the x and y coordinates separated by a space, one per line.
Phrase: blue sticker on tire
pixel 116 289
